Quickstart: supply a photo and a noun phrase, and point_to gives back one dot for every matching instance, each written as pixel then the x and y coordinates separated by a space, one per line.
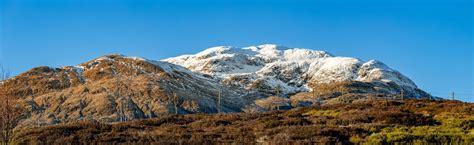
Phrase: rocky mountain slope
pixel 221 79
pixel 118 88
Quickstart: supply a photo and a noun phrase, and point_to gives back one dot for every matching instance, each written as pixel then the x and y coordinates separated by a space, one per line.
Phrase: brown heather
pixel 346 123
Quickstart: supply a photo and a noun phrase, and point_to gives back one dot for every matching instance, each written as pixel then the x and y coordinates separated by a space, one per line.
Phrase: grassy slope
pixel 360 121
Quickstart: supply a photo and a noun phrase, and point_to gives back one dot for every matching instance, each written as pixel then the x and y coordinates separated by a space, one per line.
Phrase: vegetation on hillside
pixel 375 121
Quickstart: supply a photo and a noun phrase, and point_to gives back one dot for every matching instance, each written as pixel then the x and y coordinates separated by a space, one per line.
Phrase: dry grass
pixel 347 123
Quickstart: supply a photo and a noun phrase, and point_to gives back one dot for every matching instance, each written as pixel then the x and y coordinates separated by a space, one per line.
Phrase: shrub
pixel 325 113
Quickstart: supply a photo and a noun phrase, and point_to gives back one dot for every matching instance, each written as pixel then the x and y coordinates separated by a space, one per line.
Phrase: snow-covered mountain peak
pixel 377 64
pixel 290 69
pixel 266 52
pixel 216 50
pixel 225 60
pixel 304 54
pixel 267 48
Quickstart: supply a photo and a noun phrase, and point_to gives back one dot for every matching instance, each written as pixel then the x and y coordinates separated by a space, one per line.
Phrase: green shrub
pixel 432 134
pixel 461 120
pixel 325 113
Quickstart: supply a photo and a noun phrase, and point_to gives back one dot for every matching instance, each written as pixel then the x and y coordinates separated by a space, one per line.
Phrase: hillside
pixel 116 88
pixel 375 121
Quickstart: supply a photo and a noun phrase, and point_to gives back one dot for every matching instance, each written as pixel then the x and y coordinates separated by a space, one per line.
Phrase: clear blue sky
pixel 430 41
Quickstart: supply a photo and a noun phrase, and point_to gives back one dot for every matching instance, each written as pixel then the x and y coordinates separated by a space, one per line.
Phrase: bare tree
pixel 10 114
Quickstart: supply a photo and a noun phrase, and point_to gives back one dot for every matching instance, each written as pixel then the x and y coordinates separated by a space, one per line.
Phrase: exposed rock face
pixel 118 88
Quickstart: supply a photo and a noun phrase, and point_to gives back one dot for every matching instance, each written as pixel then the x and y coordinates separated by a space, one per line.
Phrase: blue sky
pixel 430 41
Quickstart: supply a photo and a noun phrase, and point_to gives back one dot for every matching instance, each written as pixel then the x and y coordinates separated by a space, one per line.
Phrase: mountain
pixel 268 67
pixel 116 88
